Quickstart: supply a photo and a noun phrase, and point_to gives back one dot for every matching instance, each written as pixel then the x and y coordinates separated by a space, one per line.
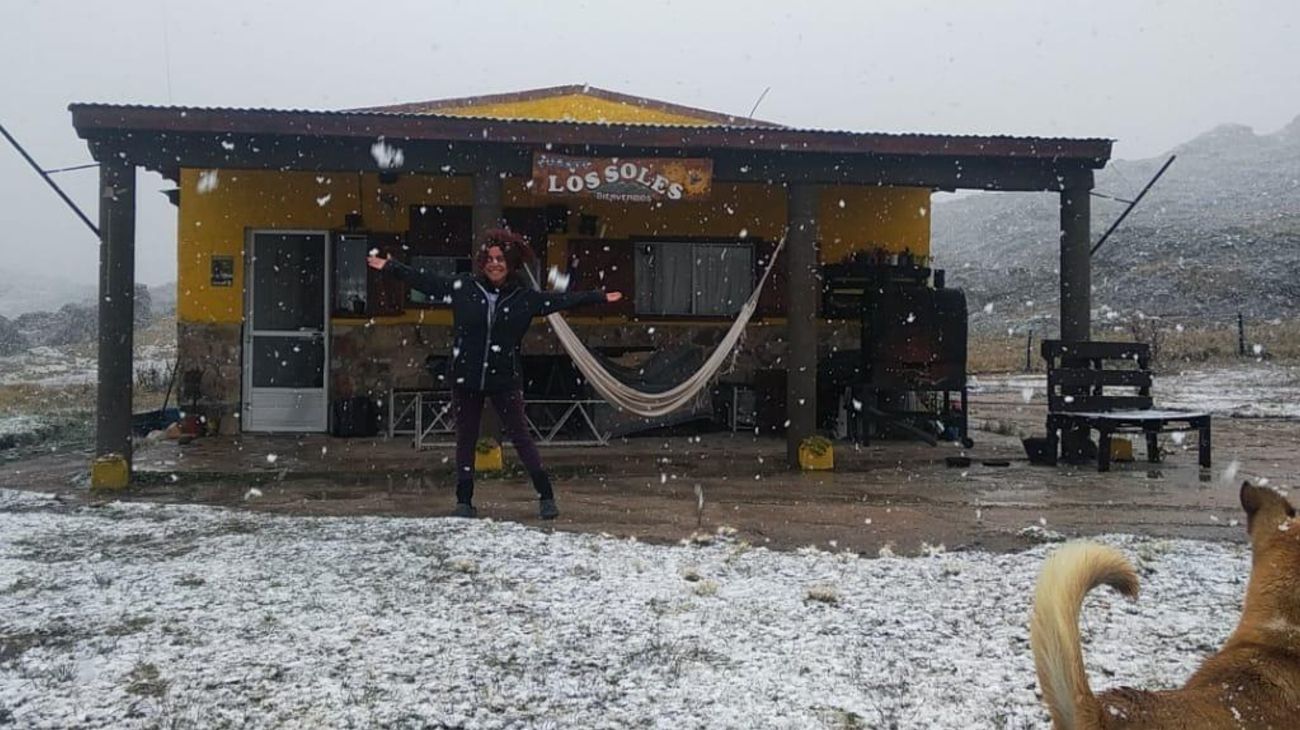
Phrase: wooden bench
pixel 1078 374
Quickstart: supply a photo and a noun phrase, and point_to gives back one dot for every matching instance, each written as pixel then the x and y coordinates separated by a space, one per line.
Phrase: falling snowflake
pixel 557 280
pixel 208 180
pixel 323 200
pixel 988 308
pixel 1230 472
pixel 387 156
pixel 271 458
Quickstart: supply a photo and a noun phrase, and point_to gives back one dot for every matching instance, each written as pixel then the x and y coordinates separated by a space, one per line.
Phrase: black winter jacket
pixel 485 349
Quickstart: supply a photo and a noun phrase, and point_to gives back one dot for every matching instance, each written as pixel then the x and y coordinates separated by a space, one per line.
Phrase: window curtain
pixel 667 269
pixel 723 278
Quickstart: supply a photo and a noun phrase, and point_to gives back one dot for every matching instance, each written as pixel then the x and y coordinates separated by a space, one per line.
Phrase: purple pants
pixel 468 407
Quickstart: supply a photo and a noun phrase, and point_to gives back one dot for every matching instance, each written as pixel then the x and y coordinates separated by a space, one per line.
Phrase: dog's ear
pixel 1262 500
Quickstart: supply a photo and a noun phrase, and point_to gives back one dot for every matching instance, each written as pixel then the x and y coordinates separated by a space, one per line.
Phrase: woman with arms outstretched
pixel 491 311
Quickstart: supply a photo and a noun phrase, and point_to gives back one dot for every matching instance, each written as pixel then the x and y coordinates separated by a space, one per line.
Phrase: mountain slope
pixel 1218 234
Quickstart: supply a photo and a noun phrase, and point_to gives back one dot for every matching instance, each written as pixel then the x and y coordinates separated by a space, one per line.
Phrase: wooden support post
pixel 116 323
pixel 803 290
pixel 1076 262
pixel 1076 284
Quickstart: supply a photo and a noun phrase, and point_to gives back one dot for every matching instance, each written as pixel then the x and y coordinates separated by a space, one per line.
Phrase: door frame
pixel 246 339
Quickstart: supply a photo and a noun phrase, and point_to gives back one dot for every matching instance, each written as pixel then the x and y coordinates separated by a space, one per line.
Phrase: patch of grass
pixel 673 655
pixel 22 584
pixel 144 680
pixel 841 719
pixel 706 588
pixel 61 673
pixel 824 593
pixel 128 626
pixel 14 644
pixel 463 565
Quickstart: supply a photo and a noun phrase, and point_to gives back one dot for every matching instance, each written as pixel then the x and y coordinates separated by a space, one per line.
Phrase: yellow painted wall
pixel 852 218
pixel 575 107
pixel 849 217
pixel 216 220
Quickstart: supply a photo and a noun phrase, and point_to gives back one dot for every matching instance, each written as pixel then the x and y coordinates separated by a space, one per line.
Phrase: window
pixel 358 290
pixel 693 278
pixel 351 279
pixel 445 265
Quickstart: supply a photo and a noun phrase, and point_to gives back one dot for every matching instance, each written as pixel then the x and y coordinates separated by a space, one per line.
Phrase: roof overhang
pixel 167 138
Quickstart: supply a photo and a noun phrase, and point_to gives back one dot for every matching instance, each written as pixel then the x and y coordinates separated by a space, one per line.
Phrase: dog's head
pixel 1269 516
pixel 1275 544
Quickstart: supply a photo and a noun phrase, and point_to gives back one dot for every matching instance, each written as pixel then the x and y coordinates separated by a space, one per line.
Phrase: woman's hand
pixel 376 262
pixel 613 296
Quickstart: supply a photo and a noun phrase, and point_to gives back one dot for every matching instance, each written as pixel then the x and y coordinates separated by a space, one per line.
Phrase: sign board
pixel 624 179
pixel 223 271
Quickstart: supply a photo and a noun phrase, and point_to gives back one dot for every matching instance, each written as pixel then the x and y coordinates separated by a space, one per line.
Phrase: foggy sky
pixel 1148 74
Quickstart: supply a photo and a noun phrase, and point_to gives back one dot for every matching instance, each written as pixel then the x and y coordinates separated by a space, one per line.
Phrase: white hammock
pixel 651 405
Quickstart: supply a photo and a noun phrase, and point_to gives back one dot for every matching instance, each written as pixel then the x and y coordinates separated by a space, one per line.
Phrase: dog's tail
pixel 1067 576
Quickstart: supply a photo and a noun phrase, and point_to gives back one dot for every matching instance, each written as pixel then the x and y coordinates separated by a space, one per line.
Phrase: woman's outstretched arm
pixel 432 284
pixel 550 302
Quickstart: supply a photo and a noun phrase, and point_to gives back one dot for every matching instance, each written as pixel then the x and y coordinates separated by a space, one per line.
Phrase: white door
pixel 286 331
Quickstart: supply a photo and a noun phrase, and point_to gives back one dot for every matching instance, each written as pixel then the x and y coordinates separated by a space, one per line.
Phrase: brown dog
pixel 1252 682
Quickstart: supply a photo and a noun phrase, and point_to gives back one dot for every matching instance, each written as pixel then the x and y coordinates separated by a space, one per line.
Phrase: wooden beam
pixel 802 292
pixel 166 152
pixel 1076 261
pixel 116 309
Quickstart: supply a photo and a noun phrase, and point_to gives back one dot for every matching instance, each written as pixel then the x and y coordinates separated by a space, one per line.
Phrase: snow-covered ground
pixel 143 615
pixel 57 366
pixel 1249 390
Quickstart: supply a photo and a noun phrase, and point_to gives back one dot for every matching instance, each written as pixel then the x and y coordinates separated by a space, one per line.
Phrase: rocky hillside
pixel 76 323
pixel 1218 234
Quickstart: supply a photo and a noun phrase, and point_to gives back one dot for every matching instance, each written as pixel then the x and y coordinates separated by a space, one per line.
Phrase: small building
pixel 680 208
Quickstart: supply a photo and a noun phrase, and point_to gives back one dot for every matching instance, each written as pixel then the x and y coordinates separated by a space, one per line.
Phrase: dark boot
pixel 464 499
pixel 545 493
pixel 548 510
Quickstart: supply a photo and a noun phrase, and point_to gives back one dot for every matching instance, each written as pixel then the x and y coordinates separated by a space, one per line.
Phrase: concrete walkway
pixel 891 495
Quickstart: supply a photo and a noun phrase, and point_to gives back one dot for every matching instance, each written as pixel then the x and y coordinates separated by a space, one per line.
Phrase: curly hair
pixel 513 245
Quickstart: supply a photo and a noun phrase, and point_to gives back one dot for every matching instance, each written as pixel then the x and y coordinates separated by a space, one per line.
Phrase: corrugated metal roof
pixel 551 92
pixel 91 117
pixel 378 112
